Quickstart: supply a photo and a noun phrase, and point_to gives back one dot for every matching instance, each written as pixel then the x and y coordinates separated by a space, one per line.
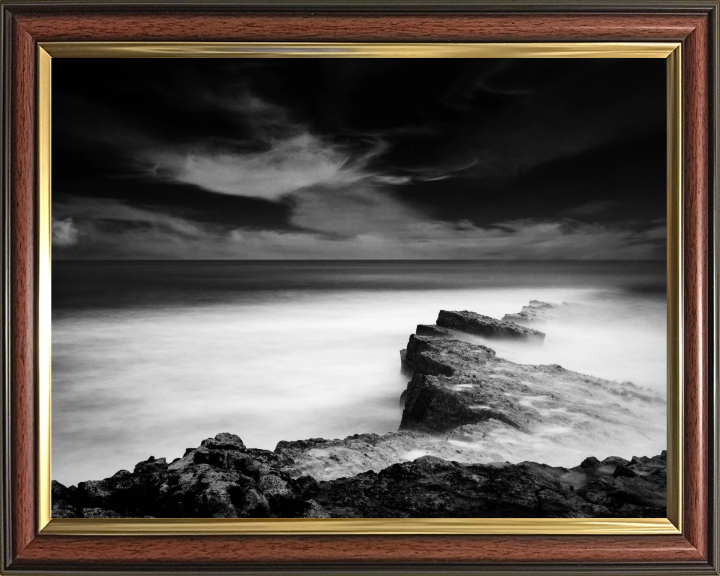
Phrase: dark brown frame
pixel 693 23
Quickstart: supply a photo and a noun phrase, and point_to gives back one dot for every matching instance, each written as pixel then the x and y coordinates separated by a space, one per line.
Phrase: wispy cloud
pixel 110 229
pixel 286 166
pixel 342 202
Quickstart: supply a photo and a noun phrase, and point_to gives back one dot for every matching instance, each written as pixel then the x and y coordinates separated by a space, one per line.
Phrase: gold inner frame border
pixel 671 52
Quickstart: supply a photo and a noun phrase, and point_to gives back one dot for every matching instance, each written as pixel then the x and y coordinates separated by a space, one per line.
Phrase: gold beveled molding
pixel 385 526
pixel 161 526
pixel 357 50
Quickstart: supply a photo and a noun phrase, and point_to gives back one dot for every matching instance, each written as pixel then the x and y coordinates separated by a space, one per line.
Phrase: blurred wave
pixel 151 357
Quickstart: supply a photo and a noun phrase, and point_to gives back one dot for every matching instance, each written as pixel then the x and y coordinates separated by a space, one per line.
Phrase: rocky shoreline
pixel 467 415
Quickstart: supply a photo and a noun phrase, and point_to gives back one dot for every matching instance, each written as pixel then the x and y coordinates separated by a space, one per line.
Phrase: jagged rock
pixel 431 487
pixel 460 385
pixel 435 357
pixel 590 462
pixel 224 440
pixel 61 497
pixel 632 488
pixel 432 330
pixel 434 407
pixel 624 471
pixel 617 461
pixel 219 479
pixel 536 313
pixel 465 404
pixel 428 487
pixel 255 505
pixel 487 327
pixel 291 445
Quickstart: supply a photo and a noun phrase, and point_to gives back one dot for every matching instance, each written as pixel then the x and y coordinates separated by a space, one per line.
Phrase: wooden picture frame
pixel 31 546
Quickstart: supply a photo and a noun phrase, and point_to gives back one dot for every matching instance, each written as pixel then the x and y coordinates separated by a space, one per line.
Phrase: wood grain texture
pixel 334 27
pixel 221 552
pixel 417 552
pixel 696 369
pixel 22 250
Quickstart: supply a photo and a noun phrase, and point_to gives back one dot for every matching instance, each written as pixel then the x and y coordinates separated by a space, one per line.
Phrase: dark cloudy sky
pixel 358 158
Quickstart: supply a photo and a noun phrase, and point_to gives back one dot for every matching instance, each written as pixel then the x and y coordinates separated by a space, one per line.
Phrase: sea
pixel 151 357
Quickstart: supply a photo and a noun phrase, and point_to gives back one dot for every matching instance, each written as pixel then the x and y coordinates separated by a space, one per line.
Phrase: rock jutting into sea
pixel 479 325
pixel 473 429
pixel 536 313
pixel 457 383
pixel 463 403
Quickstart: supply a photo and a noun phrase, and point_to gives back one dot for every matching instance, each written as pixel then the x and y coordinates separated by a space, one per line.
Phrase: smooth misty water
pixel 151 357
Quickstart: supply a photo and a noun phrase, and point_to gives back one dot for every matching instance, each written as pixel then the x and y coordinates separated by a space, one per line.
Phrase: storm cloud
pixel 370 159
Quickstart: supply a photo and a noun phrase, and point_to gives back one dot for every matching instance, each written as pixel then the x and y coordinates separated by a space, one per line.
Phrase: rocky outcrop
pixel 223 479
pixel 219 479
pixel 431 487
pixel 431 406
pixel 487 327
pixel 473 427
pixel 457 386
pixel 463 403
pixel 536 313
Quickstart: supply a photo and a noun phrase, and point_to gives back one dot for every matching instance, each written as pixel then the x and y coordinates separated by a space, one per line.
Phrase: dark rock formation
pixel 219 479
pixel 432 330
pixel 223 479
pixel 431 487
pixel 432 406
pixel 464 404
pixel 458 388
pixel 411 359
pixel 479 325
pixel 435 357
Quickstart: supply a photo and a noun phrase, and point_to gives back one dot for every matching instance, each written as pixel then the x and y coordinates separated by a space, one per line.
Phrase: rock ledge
pixel 487 327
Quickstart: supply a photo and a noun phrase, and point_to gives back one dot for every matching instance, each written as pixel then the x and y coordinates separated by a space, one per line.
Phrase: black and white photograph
pixel 359 288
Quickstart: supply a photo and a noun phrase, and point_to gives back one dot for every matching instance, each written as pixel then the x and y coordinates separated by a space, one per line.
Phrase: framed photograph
pixel 376 287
